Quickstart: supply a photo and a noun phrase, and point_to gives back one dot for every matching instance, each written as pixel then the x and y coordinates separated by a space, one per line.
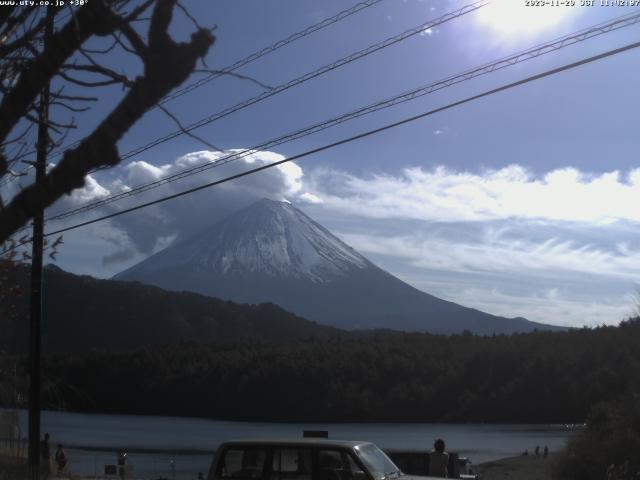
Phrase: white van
pixel 302 459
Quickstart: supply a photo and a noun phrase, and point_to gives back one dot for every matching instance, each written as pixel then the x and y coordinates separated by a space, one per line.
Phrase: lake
pixel 160 446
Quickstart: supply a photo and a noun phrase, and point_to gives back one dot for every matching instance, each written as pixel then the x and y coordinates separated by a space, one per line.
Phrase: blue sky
pixel 519 204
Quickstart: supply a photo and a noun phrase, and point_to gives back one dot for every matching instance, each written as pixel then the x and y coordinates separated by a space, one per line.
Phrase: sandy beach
pixel 527 467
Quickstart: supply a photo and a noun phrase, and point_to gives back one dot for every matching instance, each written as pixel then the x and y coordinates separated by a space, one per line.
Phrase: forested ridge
pixel 81 313
pixel 381 377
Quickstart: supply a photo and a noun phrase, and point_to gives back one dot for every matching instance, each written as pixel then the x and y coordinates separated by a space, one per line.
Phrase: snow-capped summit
pixel 268 237
pixel 272 252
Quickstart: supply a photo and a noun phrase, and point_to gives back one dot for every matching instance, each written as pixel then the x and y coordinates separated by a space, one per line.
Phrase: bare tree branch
pixel 139 47
pixel 184 130
pixel 69 107
pixel 188 15
pixel 239 76
pixel 104 51
pixel 139 10
pixel 114 76
pixel 166 65
pixel 73 98
pixel 95 67
pixel 95 18
pixel 19 137
pixel 62 126
pixel 29 35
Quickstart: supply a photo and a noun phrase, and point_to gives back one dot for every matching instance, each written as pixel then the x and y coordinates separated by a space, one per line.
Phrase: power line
pixel 353 138
pixel 272 48
pixel 305 78
pixel 239 63
pixel 534 52
pixel 310 75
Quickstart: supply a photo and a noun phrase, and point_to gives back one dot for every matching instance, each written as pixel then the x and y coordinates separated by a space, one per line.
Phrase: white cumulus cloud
pixel 146 230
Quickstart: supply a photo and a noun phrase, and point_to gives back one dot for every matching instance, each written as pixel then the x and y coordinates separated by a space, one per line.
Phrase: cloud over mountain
pixel 146 230
pixel 508 235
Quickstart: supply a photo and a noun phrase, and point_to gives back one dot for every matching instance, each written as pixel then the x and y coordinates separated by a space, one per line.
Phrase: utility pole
pixel 36 276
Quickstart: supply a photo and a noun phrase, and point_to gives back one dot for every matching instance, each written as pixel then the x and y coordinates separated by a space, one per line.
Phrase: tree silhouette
pixel 27 64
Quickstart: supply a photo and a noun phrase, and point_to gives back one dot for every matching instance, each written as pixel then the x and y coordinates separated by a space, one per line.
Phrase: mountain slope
pixel 268 238
pixel 272 252
pixel 82 313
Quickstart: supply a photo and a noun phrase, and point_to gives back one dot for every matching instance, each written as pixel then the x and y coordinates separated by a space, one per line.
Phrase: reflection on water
pixel 154 442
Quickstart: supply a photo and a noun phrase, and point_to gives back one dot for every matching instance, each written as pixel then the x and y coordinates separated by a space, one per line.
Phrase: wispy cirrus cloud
pixel 440 194
pixel 492 252
pixel 558 283
pixel 550 306
pixel 561 247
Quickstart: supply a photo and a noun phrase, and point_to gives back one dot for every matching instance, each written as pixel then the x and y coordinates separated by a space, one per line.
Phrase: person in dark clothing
pixel 61 459
pixel 45 451
pixel 45 455
pixel 438 460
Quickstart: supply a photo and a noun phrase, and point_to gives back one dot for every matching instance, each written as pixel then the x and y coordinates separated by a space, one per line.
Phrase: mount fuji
pixel 272 252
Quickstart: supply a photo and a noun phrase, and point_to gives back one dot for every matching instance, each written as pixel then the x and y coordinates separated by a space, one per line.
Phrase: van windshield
pixel 376 461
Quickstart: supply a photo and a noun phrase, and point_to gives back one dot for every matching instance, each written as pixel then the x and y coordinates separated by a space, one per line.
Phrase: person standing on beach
pixel 438 460
pixel 61 459
pixel 45 455
pixel 537 450
pixel 546 451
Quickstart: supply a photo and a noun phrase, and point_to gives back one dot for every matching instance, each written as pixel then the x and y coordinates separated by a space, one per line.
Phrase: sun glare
pixel 514 18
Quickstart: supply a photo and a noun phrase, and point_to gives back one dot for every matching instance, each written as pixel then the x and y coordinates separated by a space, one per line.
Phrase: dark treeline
pixel 536 377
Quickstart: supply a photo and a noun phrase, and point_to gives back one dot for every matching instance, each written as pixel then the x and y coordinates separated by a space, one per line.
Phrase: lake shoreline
pixel 527 467
pixel 523 467
pixel 152 443
pixel 315 422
